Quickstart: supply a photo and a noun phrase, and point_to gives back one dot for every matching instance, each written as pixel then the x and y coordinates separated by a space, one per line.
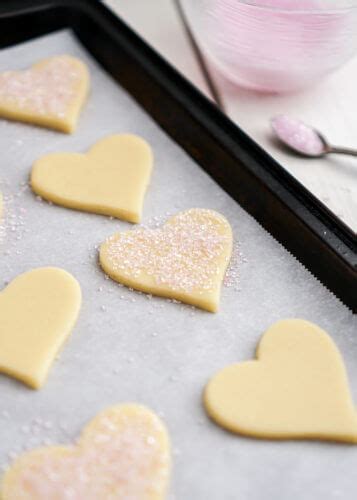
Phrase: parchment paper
pixel 126 347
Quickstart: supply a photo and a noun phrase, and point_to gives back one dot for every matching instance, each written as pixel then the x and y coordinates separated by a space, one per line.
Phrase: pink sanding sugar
pixel 47 89
pixel 297 135
pixel 277 45
pixel 120 458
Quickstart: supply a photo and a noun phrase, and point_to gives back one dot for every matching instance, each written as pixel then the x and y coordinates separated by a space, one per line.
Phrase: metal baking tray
pixel 322 242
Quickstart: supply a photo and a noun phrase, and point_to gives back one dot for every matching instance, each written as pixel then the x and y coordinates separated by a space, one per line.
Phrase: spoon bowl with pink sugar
pixel 305 140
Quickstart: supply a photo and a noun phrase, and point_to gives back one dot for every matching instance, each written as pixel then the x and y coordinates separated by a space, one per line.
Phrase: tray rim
pixel 335 241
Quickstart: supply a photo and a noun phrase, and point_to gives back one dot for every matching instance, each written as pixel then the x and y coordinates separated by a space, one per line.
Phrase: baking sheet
pixel 126 347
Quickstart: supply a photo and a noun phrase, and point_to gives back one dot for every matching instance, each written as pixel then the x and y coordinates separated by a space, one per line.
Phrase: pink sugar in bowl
pixel 275 45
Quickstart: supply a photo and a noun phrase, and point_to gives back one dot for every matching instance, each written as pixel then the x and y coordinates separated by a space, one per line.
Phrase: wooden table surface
pixel 331 106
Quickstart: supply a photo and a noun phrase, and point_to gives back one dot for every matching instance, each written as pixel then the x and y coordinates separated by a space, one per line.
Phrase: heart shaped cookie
pixel 38 310
pixel 296 389
pixel 185 260
pixel 50 94
pixel 123 454
pixel 110 179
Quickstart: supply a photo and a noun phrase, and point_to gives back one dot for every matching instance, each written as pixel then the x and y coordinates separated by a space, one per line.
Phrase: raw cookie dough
pixel 38 310
pixel 123 453
pixel 50 94
pixel 297 388
pixel 185 260
pixel 110 179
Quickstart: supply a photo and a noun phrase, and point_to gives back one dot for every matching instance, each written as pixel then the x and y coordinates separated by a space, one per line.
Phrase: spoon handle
pixel 343 151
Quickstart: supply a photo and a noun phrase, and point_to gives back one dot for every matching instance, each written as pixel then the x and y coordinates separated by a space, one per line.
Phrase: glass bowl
pixel 275 45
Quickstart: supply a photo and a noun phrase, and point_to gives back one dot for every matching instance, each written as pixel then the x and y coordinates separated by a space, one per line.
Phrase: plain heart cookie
pixel 185 260
pixel 50 94
pixel 297 388
pixel 123 453
pixel 38 310
pixel 111 179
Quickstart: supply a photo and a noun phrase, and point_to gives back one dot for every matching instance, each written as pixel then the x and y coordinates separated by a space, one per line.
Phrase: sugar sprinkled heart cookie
pixel 122 454
pixel 50 94
pixel 38 310
pixel 185 260
pixel 111 179
pixel 297 388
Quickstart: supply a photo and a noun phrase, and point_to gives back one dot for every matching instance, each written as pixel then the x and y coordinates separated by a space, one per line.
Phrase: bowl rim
pixel 322 7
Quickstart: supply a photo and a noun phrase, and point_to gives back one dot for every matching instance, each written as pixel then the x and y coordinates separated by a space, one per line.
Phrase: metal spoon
pixel 304 139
